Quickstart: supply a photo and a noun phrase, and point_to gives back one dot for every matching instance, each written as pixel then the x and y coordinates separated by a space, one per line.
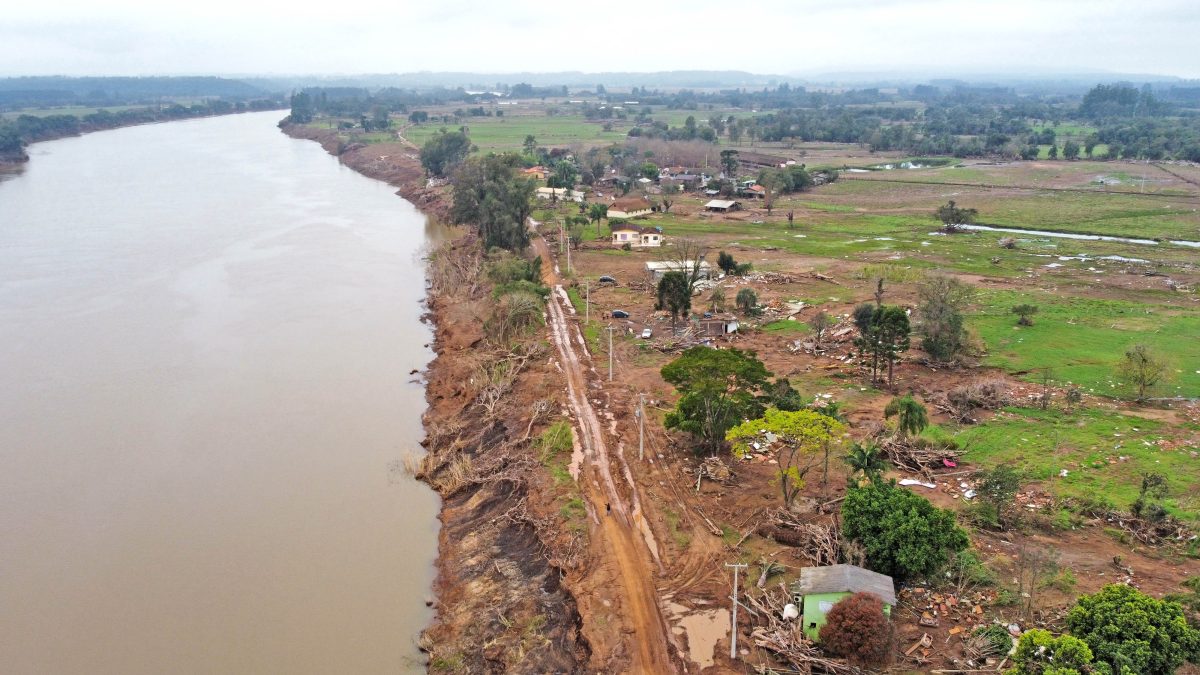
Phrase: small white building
pixel 562 194
pixel 657 268
pixel 636 237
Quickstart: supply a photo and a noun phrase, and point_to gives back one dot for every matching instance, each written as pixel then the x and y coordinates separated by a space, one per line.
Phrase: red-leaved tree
pixel 857 629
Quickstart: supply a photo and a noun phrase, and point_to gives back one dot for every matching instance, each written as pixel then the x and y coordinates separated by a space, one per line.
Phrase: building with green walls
pixel 820 588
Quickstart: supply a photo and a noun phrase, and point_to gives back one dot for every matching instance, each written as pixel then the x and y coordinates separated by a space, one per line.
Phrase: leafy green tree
pixel 1041 653
pixel 1053 152
pixel 491 197
pixel 717 389
pixel 530 144
pixel 673 296
pixel 564 176
pixel 443 151
pixel 911 416
pixel 597 212
pixel 795 437
pixel 903 534
pixel 1133 632
pixel 726 263
pixel 747 301
pixel 868 460
pixel 1143 369
pixel 729 158
pixel 998 488
pixel 885 338
pixel 1148 504
pixel 303 109
pixel 863 315
pixel 1070 150
pixel 952 216
pixel 1025 312
pixel 716 300
pixel 942 301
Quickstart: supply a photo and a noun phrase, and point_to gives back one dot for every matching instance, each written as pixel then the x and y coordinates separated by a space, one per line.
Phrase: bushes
pixel 1040 653
pixel 1133 632
pixel 858 630
pixel 903 534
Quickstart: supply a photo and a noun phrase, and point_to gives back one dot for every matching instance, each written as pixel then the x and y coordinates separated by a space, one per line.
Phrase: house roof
pixel 628 204
pixel 534 169
pixel 668 265
pixel 636 228
pixel 720 204
pixel 845 579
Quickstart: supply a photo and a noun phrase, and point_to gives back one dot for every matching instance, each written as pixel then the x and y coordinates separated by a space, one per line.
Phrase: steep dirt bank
pixel 503 551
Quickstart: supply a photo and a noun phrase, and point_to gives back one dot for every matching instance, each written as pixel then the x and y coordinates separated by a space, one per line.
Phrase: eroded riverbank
pixel 504 566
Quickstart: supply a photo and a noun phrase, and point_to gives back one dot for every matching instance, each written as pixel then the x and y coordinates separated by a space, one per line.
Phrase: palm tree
pixel 911 416
pixel 866 459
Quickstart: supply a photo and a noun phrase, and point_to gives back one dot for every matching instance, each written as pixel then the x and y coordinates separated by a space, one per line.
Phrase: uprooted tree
pixel 798 440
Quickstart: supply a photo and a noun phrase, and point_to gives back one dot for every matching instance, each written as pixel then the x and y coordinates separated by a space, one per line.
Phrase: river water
pixel 206 336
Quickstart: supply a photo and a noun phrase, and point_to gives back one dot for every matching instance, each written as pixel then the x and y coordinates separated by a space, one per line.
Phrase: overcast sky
pixel 800 37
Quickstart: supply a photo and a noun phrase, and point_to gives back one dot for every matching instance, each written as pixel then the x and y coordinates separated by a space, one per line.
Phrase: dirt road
pixel 622 532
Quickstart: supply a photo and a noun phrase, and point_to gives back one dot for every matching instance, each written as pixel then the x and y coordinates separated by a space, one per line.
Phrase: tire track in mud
pixel 624 538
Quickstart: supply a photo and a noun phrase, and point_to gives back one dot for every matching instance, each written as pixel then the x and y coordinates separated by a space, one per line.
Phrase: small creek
pixel 1075 235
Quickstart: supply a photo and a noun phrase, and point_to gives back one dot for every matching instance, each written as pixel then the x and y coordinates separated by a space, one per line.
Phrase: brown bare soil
pixel 640 586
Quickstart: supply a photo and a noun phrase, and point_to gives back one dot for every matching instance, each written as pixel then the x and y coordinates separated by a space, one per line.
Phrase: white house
pixel 636 237
pixel 629 207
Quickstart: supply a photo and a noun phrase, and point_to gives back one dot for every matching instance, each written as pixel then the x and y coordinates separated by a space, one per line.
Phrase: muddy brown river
pixel 206 336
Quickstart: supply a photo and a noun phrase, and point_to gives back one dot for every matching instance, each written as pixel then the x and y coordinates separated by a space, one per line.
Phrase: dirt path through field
pixel 620 539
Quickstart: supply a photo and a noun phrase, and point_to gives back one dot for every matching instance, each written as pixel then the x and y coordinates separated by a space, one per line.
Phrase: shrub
pixel 1040 653
pixel 858 630
pixel 904 535
pixel 1133 632
pixel 747 301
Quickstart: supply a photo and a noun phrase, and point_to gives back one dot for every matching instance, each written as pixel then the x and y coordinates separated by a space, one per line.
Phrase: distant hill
pixel 100 91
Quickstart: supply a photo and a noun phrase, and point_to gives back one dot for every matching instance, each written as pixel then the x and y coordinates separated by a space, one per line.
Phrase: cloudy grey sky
pixel 801 37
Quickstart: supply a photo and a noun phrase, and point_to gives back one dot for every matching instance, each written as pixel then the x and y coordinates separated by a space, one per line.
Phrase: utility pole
pixel 641 413
pixel 568 257
pixel 560 238
pixel 587 301
pixel 610 328
pixel 733 633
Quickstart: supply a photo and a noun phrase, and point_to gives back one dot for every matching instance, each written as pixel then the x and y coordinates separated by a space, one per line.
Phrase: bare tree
pixel 820 323
pixel 688 258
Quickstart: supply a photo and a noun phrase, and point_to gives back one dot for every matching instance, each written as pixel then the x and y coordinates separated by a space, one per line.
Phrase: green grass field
pixel 1082 340
pixel 1105 454
pixel 508 133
